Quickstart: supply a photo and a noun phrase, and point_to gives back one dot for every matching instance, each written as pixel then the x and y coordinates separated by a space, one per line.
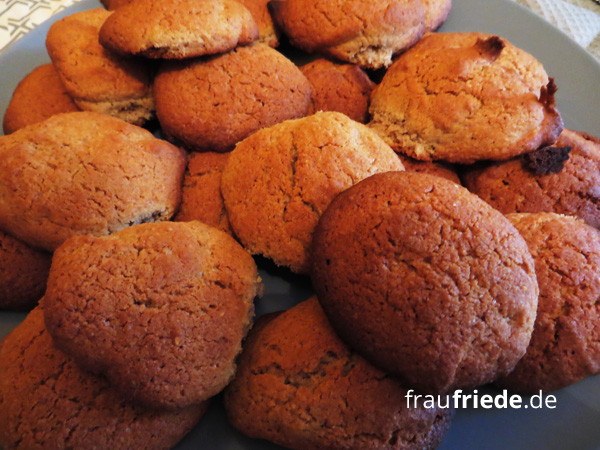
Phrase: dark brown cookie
pixel 425 280
pixel 47 402
pixel 23 273
pixel 514 185
pixel 300 386
pixel 211 104
pixel 39 95
pixel 160 309
pixel 565 345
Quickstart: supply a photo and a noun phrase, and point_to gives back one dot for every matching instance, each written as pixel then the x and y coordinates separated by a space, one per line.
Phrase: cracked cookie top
pixel 464 97
pixel 367 33
pixel 344 88
pixel 211 104
pixel 277 182
pixel 99 79
pixel 425 280
pixel 85 173
pixel 511 186
pixel 160 309
pixel 565 345
pixel 175 29
pixel 47 402
pixel 39 95
pixel 300 386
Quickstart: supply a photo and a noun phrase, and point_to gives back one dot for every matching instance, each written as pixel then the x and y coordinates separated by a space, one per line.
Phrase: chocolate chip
pixel 546 160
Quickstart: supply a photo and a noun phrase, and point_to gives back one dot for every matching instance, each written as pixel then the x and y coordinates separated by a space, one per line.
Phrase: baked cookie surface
pixel 23 274
pixel 47 402
pixel 277 182
pixel 367 33
pixel 300 386
pixel 566 182
pixel 480 98
pixel 344 88
pixel 178 28
pixel 160 309
pixel 97 79
pixel 267 33
pixel 425 280
pixel 39 95
pixel 85 173
pixel 212 104
pixel 201 197
pixel 565 345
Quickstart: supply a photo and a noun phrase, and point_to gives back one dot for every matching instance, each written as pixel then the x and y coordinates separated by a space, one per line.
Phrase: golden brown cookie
pixel 98 79
pixel 85 173
pixel 38 96
pixel 176 29
pixel 23 274
pixel 201 197
pixel 425 280
pixel 565 345
pixel 436 12
pixel 345 88
pixel 278 182
pixel 363 33
pixel 300 386
pixel 267 33
pixel 443 170
pixel 47 402
pixel 562 179
pixel 160 309
pixel 212 104
pixel 480 98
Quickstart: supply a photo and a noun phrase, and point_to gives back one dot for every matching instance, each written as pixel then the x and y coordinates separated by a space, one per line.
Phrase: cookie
pixel 267 33
pixel 300 386
pixel 277 182
pixel 212 104
pixel 443 170
pixel 97 79
pixel 363 33
pixel 436 12
pixel 38 96
pixel 47 402
pixel 425 280
pixel 175 29
pixel 570 186
pixel 565 345
pixel 23 274
pixel 85 173
pixel 114 4
pixel 160 309
pixel 480 98
pixel 344 88
pixel 201 197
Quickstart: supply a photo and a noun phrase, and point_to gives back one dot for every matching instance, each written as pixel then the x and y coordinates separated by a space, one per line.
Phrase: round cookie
pixel 480 98
pixel 47 402
pixel 363 33
pixel 212 104
pixel 565 345
pixel 446 171
pixel 548 184
pixel 300 386
pixel 436 12
pixel 201 197
pixel 267 33
pixel 97 79
pixel 38 96
pixel 85 173
pixel 160 309
pixel 425 280
pixel 345 88
pixel 23 274
pixel 277 182
pixel 175 29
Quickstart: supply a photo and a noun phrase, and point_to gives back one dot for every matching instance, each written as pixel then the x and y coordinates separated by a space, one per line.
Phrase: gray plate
pixel 574 424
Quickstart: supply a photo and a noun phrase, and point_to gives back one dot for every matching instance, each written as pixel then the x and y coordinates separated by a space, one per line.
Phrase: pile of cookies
pixel 424 181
